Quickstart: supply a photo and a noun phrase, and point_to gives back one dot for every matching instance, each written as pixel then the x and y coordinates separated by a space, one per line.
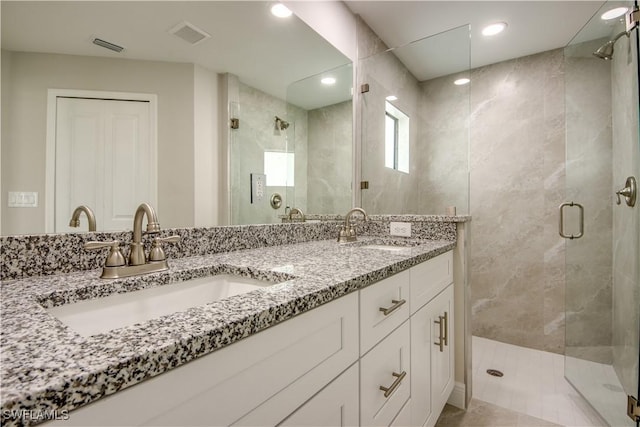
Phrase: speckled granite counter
pixel 47 366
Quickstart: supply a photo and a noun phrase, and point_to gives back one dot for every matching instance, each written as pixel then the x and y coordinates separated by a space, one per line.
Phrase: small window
pixel 279 168
pixel 396 148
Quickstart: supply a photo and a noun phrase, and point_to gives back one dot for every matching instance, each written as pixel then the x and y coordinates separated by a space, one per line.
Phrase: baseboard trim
pixel 457 397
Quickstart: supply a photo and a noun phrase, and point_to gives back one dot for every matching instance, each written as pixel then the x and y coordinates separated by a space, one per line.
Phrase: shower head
pixel 606 50
pixel 281 124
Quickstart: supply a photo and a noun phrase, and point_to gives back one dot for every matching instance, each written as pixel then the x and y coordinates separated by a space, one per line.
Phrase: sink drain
pixel 494 372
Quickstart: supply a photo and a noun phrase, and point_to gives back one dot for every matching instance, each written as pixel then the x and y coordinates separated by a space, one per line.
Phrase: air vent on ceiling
pixel 189 33
pixel 108 45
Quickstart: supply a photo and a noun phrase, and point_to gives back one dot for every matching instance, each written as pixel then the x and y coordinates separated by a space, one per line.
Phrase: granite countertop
pixel 46 366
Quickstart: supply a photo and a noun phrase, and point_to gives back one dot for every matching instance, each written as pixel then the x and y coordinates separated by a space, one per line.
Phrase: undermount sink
pixel 101 315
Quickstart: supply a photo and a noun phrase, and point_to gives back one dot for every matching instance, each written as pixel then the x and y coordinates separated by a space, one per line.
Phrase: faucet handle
pixel 157 253
pixel 115 257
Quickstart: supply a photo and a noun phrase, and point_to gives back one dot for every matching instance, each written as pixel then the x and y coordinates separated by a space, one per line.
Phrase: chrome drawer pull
pixel 395 306
pixel 396 383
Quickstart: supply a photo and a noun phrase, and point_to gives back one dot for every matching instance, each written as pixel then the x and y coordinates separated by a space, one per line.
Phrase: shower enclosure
pixel 602 228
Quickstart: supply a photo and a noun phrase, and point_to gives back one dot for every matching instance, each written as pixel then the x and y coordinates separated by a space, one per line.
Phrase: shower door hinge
pixel 235 123
pixel 364 88
pixel 631 19
pixel 364 185
pixel 633 410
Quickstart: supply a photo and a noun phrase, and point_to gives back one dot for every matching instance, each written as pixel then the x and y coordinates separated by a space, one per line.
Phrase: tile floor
pixel 533 384
pixel 483 414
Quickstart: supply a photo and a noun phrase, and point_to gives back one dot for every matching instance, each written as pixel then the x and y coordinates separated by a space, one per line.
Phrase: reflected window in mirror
pixel 396 139
pixel 279 166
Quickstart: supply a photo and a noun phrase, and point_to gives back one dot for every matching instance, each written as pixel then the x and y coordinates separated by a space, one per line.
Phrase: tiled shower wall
pixel 257 111
pixel 517 145
pixel 329 170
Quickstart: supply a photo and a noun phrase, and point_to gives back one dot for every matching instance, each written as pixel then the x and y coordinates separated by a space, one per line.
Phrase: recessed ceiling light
pixel 328 81
pixel 462 81
pixel 614 13
pixel 391 98
pixel 493 29
pixel 280 10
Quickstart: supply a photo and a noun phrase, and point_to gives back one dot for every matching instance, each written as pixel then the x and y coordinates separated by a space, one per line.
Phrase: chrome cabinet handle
pixel 395 306
pixel 396 383
pixel 441 338
pixel 445 335
pixel 561 222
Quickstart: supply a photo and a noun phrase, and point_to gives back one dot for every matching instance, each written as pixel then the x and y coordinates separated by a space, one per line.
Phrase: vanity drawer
pixel 386 365
pixel 429 278
pixel 383 307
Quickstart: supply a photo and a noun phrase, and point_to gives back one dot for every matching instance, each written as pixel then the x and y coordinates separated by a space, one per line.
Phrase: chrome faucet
pixel 347 230
pixel 296 211
pixel 75 217
pixel 136 256
pixel 116 266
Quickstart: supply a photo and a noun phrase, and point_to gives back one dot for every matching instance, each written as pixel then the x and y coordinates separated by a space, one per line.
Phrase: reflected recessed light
pixel 280 10
pixel 391 98
pixel 328 81
pixel 493 29
pixel 462 81
pixel 614 13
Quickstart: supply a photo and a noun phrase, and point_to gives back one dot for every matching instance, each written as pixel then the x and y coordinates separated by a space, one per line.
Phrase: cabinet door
pixel 442 356
pixel 422 339
pixel 386 366
pixel 432 355
pixel 404 417
pixel 335 405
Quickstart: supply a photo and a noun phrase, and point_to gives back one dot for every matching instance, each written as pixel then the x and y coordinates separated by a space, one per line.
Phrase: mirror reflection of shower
pixel 280 125
pixel 606 50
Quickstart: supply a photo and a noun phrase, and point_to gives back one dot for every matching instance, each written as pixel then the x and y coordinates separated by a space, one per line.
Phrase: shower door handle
pixel 561 222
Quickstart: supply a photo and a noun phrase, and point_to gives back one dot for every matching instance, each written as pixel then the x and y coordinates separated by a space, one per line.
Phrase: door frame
pixel 50 162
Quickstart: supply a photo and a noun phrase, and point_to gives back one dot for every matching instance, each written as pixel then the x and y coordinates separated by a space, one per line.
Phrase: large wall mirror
pixel 175 53
pixel 293 153
pixel 414 126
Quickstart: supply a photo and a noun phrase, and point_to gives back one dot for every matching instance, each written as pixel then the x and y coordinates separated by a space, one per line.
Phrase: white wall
pixel 205 151
pixel 332 20
pixel 23 146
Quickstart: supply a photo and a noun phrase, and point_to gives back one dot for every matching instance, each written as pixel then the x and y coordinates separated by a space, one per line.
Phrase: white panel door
pixel 104 159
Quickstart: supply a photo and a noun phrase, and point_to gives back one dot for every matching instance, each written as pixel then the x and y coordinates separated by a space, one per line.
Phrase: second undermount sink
pixel 102 315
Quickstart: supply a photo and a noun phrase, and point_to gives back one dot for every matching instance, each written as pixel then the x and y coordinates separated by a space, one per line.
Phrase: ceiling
pixel 270 53
pixel 265 52
pixel 533 26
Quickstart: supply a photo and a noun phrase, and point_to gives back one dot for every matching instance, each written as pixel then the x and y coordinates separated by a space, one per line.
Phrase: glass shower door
pixel 602 250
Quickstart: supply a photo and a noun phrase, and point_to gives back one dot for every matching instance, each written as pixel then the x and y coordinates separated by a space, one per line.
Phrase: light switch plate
pixel 23 199
pixel 402 229
pixel 258 184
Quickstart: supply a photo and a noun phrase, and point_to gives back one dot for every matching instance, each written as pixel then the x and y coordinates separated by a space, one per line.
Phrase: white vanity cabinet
pixel 335 405
pixel 368 358
pixel 385 379
pixel 384 349
pixel 432 340
pixel 402 318
pixel 260 380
